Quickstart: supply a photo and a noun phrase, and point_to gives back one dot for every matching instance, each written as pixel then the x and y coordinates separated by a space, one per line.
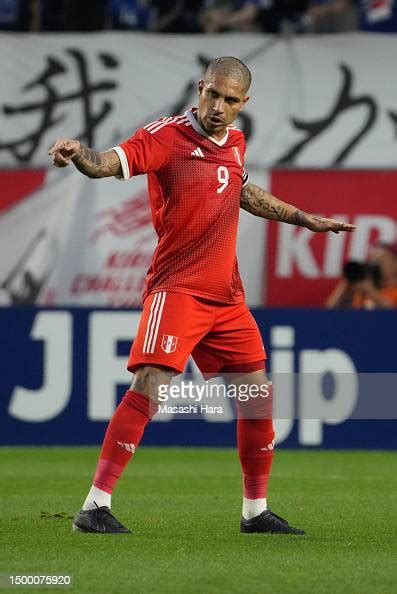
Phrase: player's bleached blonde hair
pixel 229 66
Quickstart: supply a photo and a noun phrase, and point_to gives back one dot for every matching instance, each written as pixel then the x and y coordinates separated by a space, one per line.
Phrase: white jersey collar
pixel 196 126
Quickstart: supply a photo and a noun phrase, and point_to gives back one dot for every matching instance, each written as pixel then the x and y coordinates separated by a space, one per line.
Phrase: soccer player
pixel 193 302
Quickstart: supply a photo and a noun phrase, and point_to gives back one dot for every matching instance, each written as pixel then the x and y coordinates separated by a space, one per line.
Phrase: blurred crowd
pixel 200 16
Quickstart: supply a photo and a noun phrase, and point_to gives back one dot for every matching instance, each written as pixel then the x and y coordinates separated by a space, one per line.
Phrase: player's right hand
pixel 63 151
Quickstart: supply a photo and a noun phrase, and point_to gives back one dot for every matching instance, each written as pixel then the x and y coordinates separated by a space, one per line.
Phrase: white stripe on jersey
pixel 154 123
pixel 161 123
pixel 125 168
pixel 237 155
pixel 245 178
pixel 171 121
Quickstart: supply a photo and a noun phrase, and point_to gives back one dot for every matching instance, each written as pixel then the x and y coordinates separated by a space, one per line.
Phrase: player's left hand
pixel 319 224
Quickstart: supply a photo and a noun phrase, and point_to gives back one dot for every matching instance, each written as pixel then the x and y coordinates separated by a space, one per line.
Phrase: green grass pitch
pixel 184 508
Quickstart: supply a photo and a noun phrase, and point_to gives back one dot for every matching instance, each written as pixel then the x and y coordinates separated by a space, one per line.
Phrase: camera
pixel 355 272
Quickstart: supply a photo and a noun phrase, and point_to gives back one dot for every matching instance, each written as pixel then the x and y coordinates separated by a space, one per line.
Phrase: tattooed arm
pixel 88 161
pixel 262 204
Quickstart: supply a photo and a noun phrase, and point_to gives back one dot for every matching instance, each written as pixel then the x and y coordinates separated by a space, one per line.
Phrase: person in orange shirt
pixel 368 286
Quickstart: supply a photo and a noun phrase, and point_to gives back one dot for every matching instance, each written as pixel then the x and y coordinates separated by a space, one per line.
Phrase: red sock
pixel 255 439
pixel 122 437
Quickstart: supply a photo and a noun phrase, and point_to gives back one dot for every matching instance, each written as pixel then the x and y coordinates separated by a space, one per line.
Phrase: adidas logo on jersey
pixel 197 152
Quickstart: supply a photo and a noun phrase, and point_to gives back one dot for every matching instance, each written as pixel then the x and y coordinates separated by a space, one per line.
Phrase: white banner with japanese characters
pixel 319 101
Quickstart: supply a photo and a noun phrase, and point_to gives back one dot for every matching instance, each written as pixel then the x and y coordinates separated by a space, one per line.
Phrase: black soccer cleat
pixel 98 520
pixel 267 521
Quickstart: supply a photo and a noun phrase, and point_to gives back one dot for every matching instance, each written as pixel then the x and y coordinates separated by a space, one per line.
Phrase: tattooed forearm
pixel 262 204
pixel 299 218
pixel 95 164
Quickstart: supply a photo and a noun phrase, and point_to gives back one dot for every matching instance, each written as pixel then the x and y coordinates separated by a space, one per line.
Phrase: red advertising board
pixel 303 267
pixel 17 184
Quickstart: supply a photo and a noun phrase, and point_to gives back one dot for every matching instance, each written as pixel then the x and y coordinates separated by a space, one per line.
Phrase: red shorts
pixel 220 337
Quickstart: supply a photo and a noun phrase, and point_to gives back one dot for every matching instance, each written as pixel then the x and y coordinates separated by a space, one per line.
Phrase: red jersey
pixel 194 184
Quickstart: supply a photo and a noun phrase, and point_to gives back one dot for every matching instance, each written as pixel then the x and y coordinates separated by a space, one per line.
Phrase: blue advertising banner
pixel 62 372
